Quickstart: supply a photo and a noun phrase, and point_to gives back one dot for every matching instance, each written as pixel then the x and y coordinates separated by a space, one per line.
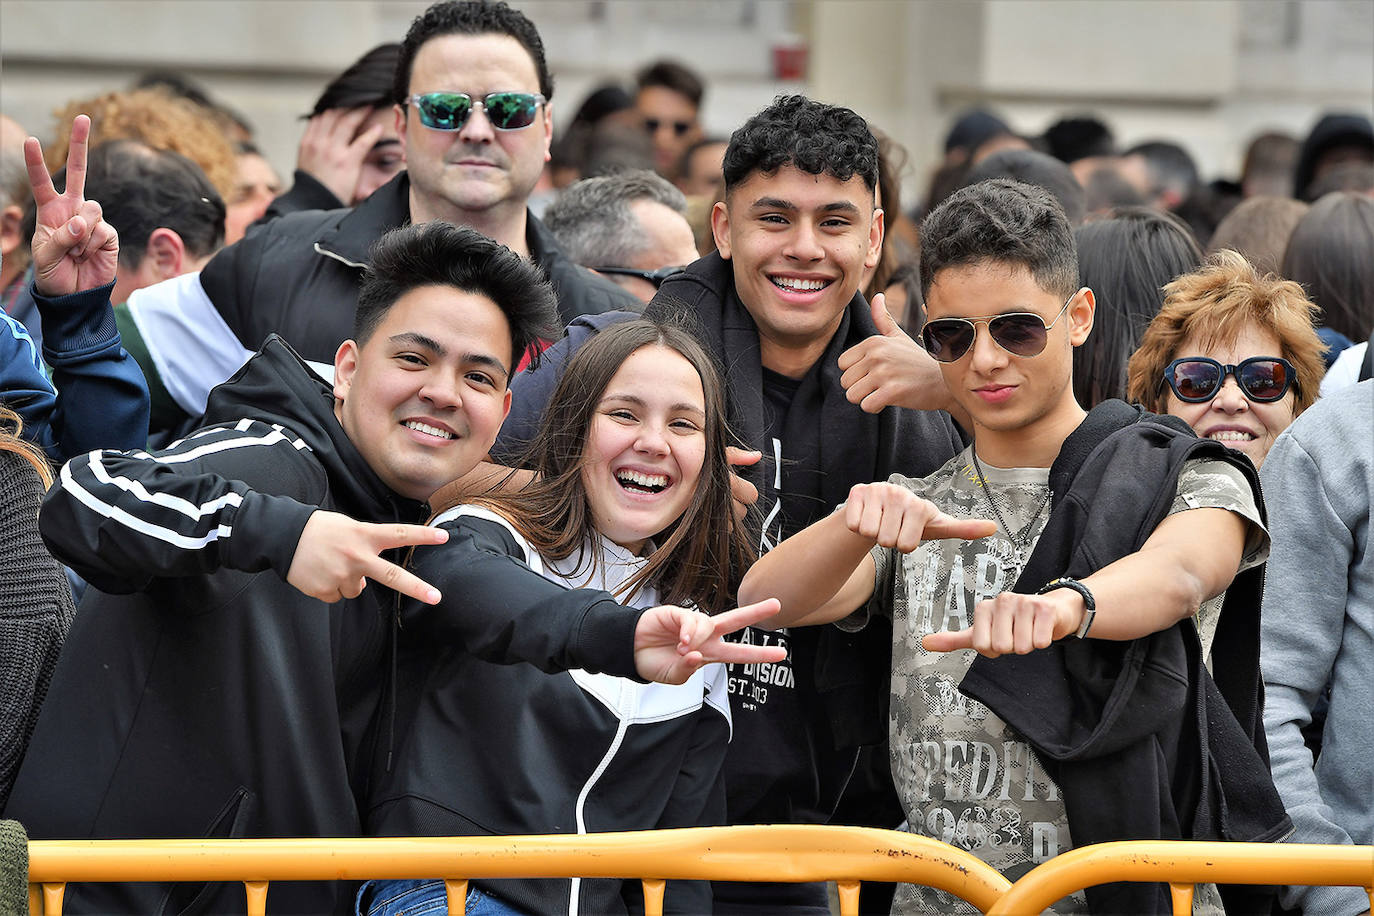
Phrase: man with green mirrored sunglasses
pixel 471 107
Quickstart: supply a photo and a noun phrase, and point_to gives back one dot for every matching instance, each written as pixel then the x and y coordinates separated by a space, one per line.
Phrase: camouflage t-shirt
pixel 965 777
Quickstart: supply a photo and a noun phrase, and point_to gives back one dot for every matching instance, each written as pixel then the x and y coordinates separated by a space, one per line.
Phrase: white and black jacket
pixel 198 694
pixel 496 749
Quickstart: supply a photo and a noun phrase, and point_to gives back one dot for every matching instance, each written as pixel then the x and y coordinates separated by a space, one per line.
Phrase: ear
pixel 505 406
pixel 401 127
pixel 165 254
pixel 548 131
pixel 10 237
pixel 720 228
pixel 345 367
pixel 875 238
pixel 1080 315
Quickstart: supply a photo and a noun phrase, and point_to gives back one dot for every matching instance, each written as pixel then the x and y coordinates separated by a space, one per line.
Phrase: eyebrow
pixel 416 339
pixel 775 203
pixel 640 402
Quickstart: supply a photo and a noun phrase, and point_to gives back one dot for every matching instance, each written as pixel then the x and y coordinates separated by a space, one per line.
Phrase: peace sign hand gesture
pixel 73 248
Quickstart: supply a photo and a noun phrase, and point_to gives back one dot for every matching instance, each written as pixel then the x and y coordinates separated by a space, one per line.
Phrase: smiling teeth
pixel 429 430
pixel 793 283
pixel 1232 436
pixel 643 480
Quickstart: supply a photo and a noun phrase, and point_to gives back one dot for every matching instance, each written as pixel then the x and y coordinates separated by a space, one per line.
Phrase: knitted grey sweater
pixel 35 611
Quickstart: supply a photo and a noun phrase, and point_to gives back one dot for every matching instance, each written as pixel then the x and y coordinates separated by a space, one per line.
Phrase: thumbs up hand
pixel 891 369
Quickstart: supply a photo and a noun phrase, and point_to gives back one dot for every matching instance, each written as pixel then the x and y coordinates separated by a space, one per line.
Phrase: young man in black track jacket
pixel 223 673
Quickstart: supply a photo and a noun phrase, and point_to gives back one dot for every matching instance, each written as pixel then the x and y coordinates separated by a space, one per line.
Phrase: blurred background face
pixel 256 186
pixel 384 160
pixel 703 174
pixel 671 120
pixel 1247 426
pixel 668 243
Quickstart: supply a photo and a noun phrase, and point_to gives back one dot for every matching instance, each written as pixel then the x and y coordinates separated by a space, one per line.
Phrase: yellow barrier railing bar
pixel 848 855
pixel 1184 864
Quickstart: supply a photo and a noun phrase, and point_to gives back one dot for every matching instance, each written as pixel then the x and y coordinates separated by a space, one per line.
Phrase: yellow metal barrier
pixel 847 855
pixel 1184 864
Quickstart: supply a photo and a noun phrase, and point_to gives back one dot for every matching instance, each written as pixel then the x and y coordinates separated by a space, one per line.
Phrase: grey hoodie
pixel 1318 629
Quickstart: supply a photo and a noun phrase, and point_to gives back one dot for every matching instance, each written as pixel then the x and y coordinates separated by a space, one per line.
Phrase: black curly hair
pixel 816 138
pixel 469 17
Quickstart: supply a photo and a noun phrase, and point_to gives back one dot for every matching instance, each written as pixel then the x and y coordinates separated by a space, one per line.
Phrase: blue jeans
pixel 424 898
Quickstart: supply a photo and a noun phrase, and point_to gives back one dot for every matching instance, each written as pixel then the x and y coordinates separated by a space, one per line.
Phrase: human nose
pixel 477 128
pixel 803 244
pixel 443 391
pixel 1230 399
pixel 652 439
pixel 986 353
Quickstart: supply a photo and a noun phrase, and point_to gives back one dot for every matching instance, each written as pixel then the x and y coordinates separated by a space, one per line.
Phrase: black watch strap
pixel 1089 605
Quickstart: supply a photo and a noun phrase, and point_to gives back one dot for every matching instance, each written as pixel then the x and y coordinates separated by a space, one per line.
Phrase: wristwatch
pixel 1089 605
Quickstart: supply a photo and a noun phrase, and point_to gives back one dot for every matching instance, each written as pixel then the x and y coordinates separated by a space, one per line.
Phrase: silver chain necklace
pixel 1020 540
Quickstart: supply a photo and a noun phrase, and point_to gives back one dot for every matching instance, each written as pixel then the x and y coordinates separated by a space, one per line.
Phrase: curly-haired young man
pixel 779 304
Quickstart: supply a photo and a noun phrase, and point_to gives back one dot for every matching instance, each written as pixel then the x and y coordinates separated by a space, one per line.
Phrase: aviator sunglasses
pixel 1262 379
pixel 451 110
pixel 1019 333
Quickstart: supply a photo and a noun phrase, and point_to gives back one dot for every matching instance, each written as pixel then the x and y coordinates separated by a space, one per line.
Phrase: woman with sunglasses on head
pixel 1233 354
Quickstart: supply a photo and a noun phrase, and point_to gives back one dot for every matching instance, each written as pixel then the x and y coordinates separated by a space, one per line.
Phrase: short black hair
pixel 365 84
pixel 1081 137
pixel 141 189
pixel 816 138
pixel 470 17
pixel 669 74
pixel 437 253
pixel 1001 221
pixel 1169 165
pixel 1029 167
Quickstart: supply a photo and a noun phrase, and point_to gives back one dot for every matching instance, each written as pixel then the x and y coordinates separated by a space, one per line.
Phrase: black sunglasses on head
pixel 1262 379
pixel 1019 333
pixel 656 277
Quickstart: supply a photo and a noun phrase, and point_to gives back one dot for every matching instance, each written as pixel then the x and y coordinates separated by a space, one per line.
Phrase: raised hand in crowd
pixel 74 249
pixel 333 152
pixel 890 369
pixel 336 555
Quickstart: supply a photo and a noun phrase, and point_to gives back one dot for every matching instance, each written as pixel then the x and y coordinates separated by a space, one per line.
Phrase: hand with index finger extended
pixel 672 642
pixel 73 249
pixel 336 555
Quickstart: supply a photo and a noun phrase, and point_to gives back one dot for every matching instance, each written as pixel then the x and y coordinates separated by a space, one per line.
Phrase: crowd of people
pixel 507 477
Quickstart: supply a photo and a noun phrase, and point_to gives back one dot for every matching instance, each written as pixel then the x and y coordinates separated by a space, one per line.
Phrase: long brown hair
pixel 702 555
pixel 11 425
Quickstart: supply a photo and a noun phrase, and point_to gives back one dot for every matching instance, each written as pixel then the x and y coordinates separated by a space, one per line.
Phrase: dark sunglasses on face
pixel 656 277
pixel 1262 379
pixel 680 128
pixel 1019 333
pixel 451 110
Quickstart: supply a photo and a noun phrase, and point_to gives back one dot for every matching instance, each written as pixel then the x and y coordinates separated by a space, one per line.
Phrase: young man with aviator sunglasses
pixel 1074 553
pixel 472 92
